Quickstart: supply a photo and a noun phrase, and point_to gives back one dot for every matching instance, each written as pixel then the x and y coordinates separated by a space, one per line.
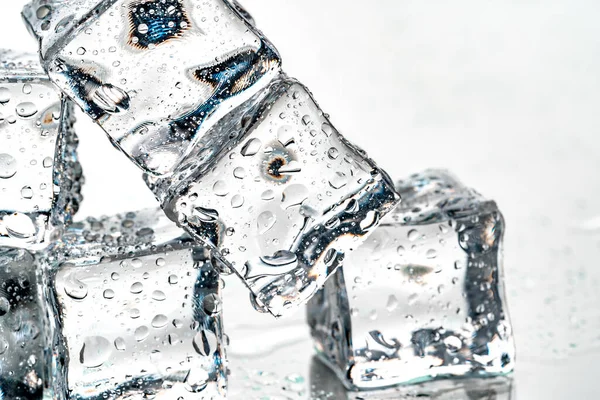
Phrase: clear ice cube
pixel 26 357
pixel 155 74
pixel 139 310
pixel 423 297
pixel 284 201
pixel 40 177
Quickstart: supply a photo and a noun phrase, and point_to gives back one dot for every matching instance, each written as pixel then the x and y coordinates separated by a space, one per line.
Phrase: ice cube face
pixel 26 358
pixel 423 297
pixel 157 74
pixel 40 177
pixel 285 200
pixel 140 316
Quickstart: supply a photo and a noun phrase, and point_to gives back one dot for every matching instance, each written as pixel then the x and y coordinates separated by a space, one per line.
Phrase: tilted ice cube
pixel 40 177
pixel 424 296
pixel 155 74
pixel 284 200
pixel 26 357
pixel 140 314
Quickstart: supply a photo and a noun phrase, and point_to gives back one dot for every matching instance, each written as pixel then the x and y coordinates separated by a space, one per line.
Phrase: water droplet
pixel 265 221
pixel 237 201
pixel 8 166
pixel 75 288
pixel 134 313
pixel 413 235
pixel 27 88
pixel 48 162
pixel 26 109
pixel 285 135
pixel 195 381
pixel 267 195
pixel 111 99
pixel 205 214
pixel 251 147
pixel 239 173
pixel 109 294
pixel 173 279
pixel 141 333
pixel 392 303
pixel 431 254
pixel 142 28
pixel 42 12
pixel 4 306
pixel 120 344
pixel 205 343
pixel 81 51
pixel 327 129
pixel 159 295
pixel 453 343
pixel 96 351
pixel 159 321
pixel 212 304
pixel 3 345
pixel 137 288
pixel 4 95
pixel 220 188
pixel 401 250
pixel 26 192
pixel 333 153
pixel 294 195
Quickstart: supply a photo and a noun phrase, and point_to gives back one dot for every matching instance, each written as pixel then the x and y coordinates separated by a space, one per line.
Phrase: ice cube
pixel 40 177
pixel 285 200
pixel 155 74
pixel 26 357
pixel 139 307
pixel 423 297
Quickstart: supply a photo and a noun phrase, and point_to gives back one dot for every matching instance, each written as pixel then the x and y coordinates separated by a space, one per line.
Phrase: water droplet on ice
pixel 8 166
pixel 265 222
pixel 159 321
pixel 141 333
pixel 251 147
pixel 96 351
pixel 212 304
pixel 26 192
pixel 26 109
pixel 75 288
pixel 205 343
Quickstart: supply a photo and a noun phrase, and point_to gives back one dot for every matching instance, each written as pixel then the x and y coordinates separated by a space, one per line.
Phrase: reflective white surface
pixel 505 94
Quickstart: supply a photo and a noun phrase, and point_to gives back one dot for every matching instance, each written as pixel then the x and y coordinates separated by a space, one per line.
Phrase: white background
pixel 504 93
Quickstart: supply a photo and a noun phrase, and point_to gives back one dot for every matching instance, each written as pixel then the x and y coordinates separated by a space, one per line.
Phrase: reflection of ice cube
pixel 284 200
pixel 26 358
pixel 424 296
pixel 40 177
pixel 156 74
pixel 140 310
pixel 324 384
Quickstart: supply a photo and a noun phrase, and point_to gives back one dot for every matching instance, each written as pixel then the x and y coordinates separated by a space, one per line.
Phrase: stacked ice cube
pixel 240 157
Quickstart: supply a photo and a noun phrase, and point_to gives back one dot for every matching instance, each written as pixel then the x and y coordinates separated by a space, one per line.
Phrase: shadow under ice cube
pixel 155 74
pixel 26 357
pixel 284 200
pixel 40 177
pixel 423 297
pixel 139 311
